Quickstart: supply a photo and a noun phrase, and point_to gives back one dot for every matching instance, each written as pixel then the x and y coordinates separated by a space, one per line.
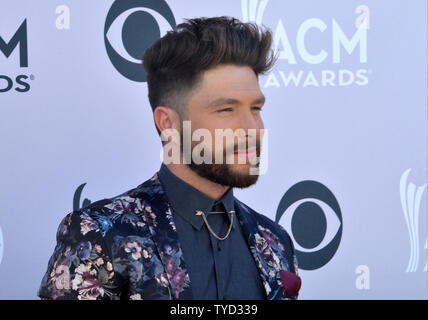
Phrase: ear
pixel 166 118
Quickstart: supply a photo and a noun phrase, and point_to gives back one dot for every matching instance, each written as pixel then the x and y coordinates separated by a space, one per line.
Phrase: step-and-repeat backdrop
pixel 346 115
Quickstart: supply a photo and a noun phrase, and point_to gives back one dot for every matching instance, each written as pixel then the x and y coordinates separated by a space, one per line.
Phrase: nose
pixel 248 127
pixel 251 122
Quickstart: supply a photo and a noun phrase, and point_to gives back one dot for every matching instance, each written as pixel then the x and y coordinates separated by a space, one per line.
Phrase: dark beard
pixel 223 173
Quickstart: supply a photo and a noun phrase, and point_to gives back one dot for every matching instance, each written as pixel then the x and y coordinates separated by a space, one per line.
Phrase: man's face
pixel 228 97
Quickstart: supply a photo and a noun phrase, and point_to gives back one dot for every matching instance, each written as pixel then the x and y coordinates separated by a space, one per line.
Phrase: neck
pixel 207 187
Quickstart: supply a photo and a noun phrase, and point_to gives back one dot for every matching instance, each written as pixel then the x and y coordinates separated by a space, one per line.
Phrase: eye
pixel 313 224
pixel 256 108
pixel 310 213
pixel 225 110
pixel 134 30
pixel 130 28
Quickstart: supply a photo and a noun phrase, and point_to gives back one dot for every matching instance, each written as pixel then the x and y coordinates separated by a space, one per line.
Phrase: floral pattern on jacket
pixel 127 247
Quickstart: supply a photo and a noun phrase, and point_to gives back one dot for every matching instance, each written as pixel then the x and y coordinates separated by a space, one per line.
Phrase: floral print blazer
pixel 127 247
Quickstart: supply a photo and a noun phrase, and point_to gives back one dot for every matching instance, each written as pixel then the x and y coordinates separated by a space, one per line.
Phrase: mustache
pixel 235 148
pixel 229 149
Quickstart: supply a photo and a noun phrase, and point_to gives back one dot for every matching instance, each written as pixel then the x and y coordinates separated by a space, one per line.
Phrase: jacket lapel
pixel 165 238
pixel 267 260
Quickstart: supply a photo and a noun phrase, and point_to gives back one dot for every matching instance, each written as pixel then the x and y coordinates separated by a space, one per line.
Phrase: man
pixel 182 234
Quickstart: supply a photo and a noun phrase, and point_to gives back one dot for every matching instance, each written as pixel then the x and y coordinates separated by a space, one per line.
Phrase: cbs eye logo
pixel 312 216
pixel 131 27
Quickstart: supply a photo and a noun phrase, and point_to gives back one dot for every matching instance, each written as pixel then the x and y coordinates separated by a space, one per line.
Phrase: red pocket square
pixel 291 283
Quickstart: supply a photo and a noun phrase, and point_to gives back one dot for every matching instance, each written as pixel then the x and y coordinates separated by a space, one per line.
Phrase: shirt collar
pixel 186 199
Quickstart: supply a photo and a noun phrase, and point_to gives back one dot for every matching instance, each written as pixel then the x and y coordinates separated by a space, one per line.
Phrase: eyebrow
pixel 231 101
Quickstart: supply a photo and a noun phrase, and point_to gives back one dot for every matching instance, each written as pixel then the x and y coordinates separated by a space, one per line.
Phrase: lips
pixel 247 153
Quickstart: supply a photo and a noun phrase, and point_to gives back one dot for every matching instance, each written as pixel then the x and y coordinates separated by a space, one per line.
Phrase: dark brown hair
pixel 175 62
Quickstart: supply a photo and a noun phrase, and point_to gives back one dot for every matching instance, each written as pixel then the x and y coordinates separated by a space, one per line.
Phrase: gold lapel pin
pixel 201 213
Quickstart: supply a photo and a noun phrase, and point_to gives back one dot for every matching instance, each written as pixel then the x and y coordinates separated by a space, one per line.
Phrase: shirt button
pixel 218 246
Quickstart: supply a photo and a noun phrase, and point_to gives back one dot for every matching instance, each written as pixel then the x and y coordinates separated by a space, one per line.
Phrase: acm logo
pixel 312 216
pixel 76 198
pixel 18 40
pixel 411 197
pixel 131 27
pixel 342 55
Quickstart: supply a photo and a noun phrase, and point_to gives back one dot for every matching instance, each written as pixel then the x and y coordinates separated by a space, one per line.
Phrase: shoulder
pixel 128 209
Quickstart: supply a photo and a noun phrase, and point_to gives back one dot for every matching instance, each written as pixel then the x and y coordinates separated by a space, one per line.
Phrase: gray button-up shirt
pixel 218 269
